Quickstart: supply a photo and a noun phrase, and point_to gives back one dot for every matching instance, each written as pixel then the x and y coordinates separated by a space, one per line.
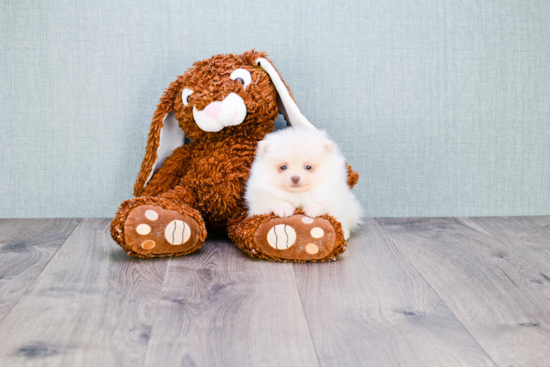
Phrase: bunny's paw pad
pixel 154 231
pixel 296 238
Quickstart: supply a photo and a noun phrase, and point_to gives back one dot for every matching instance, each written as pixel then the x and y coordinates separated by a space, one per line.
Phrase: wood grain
pixel 221 308
pixel 488 286
pixel 372 308
pixel 26 247
pixel 525 236
pixel 91 306
pixel 543 222
pixel 417 292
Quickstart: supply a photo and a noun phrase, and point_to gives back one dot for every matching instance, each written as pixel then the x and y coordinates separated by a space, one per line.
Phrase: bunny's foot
pixel 154 227
pixel 297 238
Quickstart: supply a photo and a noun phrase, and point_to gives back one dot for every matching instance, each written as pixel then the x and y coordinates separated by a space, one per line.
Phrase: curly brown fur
pixel 169 175
pixel 206 178
pixel 242 234
pixel 353 177
pixel 260 99
pixel 117 224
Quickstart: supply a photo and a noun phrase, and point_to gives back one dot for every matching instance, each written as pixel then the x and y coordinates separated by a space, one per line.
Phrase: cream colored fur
pixel 280 181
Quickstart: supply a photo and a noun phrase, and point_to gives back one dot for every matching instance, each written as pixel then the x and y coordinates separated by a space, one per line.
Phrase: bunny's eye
pixel 185 94
pixel 242 76
pixel 282 168
pixel 308 167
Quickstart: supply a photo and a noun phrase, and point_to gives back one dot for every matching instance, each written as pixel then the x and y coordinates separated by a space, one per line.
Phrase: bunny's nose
pixel 295 179
pixel 213 110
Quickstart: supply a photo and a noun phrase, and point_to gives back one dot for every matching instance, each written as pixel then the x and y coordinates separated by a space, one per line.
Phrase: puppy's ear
pixel 165 135
pixel 263 147
pixel 328 146
pixel 287 105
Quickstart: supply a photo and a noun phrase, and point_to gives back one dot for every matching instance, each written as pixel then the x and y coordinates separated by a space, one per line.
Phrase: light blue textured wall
pixel 442 106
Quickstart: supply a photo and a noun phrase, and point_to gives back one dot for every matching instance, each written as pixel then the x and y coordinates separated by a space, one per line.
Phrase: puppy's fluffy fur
pixel 301 168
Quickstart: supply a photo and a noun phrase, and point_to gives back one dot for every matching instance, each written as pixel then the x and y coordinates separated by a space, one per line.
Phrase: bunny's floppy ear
pixel 286 104
pixel 165 135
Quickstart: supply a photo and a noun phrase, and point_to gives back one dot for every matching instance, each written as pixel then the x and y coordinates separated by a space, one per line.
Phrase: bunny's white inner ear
pixel 171 137
pixel 287 106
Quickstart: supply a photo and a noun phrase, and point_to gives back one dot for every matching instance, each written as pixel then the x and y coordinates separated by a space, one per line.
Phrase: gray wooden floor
pixel 408 292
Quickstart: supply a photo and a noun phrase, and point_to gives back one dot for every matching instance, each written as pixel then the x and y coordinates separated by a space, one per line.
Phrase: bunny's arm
pixel 171 172
pixel 353 177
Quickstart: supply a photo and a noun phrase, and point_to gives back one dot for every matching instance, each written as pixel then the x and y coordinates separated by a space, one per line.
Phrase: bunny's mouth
pixel 218 115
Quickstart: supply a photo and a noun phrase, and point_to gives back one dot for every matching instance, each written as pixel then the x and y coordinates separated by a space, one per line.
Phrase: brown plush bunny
pixel 224 105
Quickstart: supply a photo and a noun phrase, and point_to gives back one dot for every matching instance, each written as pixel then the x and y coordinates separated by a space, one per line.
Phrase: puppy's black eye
pixel 308 168
pixel 188 99
pixel 282 168
pixel 240 80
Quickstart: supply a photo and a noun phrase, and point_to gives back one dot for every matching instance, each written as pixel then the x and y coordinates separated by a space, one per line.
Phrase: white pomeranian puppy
pixel 301 168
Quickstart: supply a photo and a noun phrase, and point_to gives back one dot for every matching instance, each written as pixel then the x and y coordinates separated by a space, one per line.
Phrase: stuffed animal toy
pixel 222 107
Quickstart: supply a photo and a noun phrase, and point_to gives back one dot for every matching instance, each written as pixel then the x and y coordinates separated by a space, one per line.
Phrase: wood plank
pixel 487 285
pixel 526 237
pixel 542 221
pixel 372 308
pixel 221 308
pixel 91 306
pixel 26 247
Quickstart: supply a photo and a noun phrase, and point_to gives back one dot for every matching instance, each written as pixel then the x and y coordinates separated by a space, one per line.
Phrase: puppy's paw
pixel 314 210
pixel 284 210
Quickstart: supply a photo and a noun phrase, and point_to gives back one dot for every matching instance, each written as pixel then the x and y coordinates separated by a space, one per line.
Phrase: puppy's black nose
pixel 295 179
